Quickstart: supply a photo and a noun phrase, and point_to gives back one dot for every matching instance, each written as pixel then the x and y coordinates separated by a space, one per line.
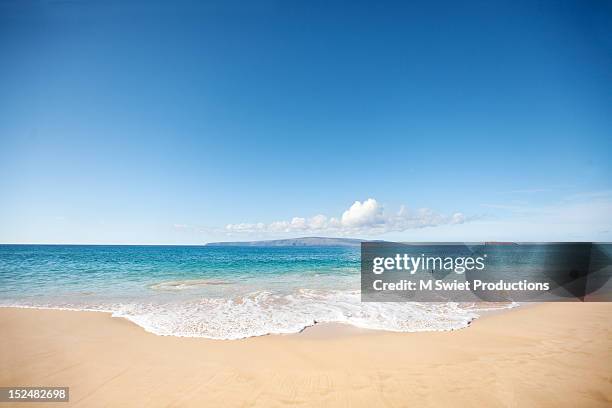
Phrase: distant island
pixel 305 241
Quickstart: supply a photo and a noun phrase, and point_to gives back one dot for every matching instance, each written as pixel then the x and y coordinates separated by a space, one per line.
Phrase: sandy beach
pixel 539 355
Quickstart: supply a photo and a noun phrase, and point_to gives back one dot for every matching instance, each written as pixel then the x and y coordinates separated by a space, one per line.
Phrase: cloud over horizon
pixel 368 217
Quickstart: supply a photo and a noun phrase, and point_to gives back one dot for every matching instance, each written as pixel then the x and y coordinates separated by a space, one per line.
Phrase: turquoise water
pixel 213 292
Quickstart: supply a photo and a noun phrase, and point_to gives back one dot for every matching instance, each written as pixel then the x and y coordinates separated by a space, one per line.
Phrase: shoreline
pixel 555 354
pixel 339 328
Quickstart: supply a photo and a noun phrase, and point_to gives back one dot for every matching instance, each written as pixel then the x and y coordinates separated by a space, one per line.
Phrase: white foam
pixel 263 312
pixel 187 284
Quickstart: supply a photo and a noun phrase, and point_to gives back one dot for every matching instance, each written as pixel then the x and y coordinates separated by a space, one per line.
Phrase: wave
pixel 187 284
pixel 263 312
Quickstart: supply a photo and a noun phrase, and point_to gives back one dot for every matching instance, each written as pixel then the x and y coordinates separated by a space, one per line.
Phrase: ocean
pixel 212 292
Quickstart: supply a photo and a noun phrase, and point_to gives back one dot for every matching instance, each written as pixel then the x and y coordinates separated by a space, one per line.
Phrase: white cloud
pixel 368 217
pixel 318 221
pixel 361 214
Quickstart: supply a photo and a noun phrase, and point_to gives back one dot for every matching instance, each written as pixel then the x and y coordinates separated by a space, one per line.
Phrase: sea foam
pixel 262 312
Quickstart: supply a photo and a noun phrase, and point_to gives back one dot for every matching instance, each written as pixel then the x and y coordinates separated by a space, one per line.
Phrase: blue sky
pixel 188 122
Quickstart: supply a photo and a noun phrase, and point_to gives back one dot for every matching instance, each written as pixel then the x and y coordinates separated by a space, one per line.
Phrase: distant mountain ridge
pixel 304 241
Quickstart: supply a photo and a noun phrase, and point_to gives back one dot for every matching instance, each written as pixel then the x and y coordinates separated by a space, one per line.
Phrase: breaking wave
pixel 187 284
pixel 264 312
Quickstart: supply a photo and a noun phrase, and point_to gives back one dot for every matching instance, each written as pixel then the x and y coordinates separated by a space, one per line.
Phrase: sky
pixel 135 122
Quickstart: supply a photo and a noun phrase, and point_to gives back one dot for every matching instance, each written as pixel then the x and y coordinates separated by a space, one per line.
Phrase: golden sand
pixel 541 355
